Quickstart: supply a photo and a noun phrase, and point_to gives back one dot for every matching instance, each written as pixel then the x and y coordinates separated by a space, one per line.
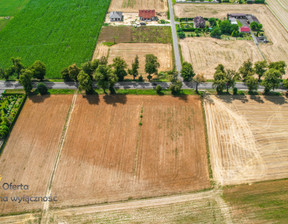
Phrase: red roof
pixel 147 14
pixel 245 29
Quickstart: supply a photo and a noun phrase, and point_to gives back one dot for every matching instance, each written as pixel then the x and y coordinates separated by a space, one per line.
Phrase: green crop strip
pixel 57 32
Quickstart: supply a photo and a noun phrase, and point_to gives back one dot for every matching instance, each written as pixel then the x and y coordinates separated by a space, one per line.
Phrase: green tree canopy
pixel 90 67
pixel 285 83
pixel 251 83
pixel 39 70
pixel 42 89
pixel 225 27
pixel 73 71
pixel 256 26
pixel 17 66
pixel 151 65
pixel 198 79
pixel 246 70
pixel 279 65
pixel 105 77
pixel 219 81
pixel 25 80
pixel 135 67
pixel 212 22
pixel 216 32
pixel 272 79
pixel 260 68
pixel 119 68
pixel 187 72
pixel 85 82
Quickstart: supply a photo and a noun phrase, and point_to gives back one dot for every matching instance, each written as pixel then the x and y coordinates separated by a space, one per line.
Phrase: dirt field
pixel 135 5
pixel 30 152
pixel 108 156
pixel 275 51
pixel 128 51
pixel 206 53
pixel 126 34
pixel 247 138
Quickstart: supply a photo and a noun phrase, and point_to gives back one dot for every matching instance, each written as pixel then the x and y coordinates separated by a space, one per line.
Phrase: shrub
pixel 42 89
pixel 158 89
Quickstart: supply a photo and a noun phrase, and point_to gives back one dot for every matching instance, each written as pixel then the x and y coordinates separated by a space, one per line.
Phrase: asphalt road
pixel 120 85
pixel 175 39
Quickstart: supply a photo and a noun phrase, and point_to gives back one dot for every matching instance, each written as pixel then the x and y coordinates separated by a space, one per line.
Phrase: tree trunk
pixel 197 87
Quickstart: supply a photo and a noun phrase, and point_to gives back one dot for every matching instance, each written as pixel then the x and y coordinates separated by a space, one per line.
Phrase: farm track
pixel 45 211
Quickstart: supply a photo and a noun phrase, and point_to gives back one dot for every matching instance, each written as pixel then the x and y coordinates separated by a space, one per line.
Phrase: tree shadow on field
pixel 279 100
pixel 38 98
pixel 231 98
pixel 181 97
pixel 115 99
pixel 92 99
pixel 256 98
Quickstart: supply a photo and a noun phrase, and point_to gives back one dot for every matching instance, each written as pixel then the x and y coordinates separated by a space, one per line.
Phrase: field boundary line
pixel 224 208
pixel 44 217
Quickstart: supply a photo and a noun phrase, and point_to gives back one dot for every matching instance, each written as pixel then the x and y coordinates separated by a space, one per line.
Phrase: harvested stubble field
pixel 128 52
pixel 274 51
pixel 206 53
pixel 247 138
pixel 280 8
pixel 135 5
pixel 109 156
pixel 29 154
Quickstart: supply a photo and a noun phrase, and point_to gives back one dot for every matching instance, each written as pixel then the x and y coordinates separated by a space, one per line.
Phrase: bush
pixel 42 89
pixel 235 91
pixel 158 89
pixel 140 78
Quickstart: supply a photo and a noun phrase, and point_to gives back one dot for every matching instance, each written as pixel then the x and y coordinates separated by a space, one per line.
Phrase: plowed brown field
pixel 108 156
pixel 274 51
pixel 247 138
pixel 135 5
pixel 30 152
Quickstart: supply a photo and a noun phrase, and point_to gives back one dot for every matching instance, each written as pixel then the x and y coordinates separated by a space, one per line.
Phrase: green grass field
pixel 11 7
pixel 264 202
pixel 57 32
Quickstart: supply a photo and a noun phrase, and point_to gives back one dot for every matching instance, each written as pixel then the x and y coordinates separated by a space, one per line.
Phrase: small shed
pixel 237 15
pixel 199 22
pixel 233 21
pixel 148 15
pixel 116 16
pixel 245 29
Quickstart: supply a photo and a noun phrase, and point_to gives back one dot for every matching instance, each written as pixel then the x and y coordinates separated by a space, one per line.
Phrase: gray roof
pixel 115 15
pixel 252 18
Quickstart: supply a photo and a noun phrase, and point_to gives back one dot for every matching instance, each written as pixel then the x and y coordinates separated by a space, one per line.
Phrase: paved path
pixel 121 85
pixel 175 39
